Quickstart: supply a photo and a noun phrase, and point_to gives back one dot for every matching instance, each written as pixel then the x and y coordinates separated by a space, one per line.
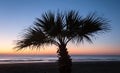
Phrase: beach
pixel 51 67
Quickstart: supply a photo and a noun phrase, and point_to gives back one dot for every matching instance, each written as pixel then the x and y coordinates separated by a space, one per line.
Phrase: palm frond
pixel 33 38
pixel 72 20
pixel 72 23
pixel 46 23
pixel 91 25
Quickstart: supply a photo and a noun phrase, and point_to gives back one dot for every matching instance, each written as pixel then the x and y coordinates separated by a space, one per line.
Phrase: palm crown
pixel 61 28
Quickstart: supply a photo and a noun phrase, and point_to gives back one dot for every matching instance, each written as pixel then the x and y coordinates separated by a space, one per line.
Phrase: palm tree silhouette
pixel 59 29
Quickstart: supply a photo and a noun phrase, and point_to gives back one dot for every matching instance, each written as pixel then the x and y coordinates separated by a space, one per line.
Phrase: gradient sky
pixel 17 15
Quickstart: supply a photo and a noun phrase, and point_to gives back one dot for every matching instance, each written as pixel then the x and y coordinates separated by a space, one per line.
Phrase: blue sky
pixel 17 15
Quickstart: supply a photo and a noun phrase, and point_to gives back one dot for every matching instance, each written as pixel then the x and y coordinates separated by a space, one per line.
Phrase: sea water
pixel 54 58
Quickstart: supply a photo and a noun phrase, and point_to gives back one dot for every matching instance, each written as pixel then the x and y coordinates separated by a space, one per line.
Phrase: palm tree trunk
pixel 64 62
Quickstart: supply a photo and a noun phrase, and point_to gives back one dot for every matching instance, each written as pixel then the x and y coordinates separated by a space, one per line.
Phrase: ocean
pixel 54 58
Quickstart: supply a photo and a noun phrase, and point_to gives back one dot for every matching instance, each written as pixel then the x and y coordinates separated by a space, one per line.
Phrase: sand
pixel 78 67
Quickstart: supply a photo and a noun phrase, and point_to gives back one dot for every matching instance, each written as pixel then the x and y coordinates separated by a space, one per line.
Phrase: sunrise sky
pixel 17 15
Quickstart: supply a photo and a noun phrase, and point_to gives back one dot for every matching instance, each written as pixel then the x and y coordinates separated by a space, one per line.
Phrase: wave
pixel 25 59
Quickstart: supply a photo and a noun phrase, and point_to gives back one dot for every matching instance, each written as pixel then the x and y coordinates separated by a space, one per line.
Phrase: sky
pixel 17 15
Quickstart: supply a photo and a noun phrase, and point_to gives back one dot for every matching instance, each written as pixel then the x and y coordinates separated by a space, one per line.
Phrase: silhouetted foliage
pixel 59 29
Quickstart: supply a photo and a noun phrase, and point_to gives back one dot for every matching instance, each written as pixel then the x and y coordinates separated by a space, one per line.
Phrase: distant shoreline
pixel 53 58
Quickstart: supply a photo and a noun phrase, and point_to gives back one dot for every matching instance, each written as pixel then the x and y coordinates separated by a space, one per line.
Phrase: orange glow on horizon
pixel 96 50
pixel 82 50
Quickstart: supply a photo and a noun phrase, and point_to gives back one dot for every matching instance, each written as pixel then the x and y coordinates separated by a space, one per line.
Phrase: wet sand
pixel 78 67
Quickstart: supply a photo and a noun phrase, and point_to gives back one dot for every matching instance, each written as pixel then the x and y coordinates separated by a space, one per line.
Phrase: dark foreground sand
pixel 78 67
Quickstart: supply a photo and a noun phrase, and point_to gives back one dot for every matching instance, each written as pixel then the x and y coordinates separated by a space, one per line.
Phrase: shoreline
pixel 56 62
pixel 52 67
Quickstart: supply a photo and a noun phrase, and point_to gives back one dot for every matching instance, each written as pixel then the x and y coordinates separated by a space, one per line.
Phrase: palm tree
pixel 59 29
